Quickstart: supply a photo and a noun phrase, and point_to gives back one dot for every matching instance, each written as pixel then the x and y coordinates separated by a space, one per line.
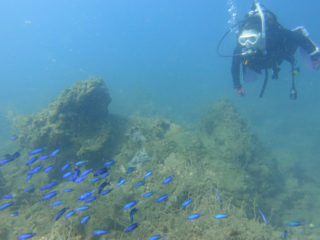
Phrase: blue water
pixel 156 57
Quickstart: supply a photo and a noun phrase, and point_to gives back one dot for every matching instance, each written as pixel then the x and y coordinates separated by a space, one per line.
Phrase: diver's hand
pixel 241 92
pixel 316 64
pixel 316 61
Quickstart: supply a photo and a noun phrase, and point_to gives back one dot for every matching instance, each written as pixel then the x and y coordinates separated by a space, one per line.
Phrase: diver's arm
pixel 303 41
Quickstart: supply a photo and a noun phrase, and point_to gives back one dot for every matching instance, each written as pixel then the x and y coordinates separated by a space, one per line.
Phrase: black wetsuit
pixel 281 44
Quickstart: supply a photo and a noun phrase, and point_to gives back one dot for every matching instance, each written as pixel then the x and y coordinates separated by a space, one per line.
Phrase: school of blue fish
pixel 71 171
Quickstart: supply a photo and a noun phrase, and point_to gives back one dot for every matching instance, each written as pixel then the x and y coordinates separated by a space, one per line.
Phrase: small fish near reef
pixel 131 227
pixel 85 219
pixel 35 151
pixel 100 232
pixel 162 198
pixel 132 212
pixel 186 203
pixel 284 234
pixel 5 205
pixel 49 195
pixel 221 215
pixel 130 204
pixel 167 180
pixel 263 217
pixel 195 216
pixel 26 236
pixel 60 213
pixel 156 237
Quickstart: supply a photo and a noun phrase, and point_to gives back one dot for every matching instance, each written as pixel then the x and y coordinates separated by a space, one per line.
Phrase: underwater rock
pixel 77 121
pixel 135 134
pixel 138 159
pixel 229 131
pixel 250 170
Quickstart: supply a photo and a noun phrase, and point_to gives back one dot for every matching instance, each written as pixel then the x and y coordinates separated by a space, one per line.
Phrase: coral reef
pixel 252 170
pixel 223 155
pixel 77 122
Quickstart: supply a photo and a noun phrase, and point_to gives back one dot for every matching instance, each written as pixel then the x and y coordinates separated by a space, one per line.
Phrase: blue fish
pixel 148 194
pixel 167 180
pixel 49 195
pixel 56 203
pixel 76 173
pixel 66 174
pixel 7 196
pixel 109 163
pixel 132 212
pixel 69 214
pixel 26 236
pixel 79 163
pixel 102 186
pixel 106 191
pixel 4 161
pixel 162 198
pixel 74 176
pixel 130 204
pixel 293 224
pixel 50 185
pixel 67 190
pixel 121 181
pixel 88 200
pixel 5 205
pixel 101 171
pixel 147 174
pixel 54 153
pixel 195 216
pixel 105 175
pixel 60 213
pixel 28 177
pixel 31 160
pixel 79 179
pixel 28 189
pixel 221 215
pixel 13 137
pixel 34 170
pixel 156 237
pixel 35 151
pixel 92 180
pixel 139 184
pixel 284 234
pixel 130 170
pixel 82 208
pixel 85 173
pixel 131 227
pixel 263 217
pixel 85 219
pixel 100 232
pixel 85 195
pixel 48 169
pixel 186 203
pixel 14 214
pixel 64 167
pixel 43 157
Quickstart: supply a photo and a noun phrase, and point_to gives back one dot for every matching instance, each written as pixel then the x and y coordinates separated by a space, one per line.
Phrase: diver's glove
pixel 241 91
pixel 315 58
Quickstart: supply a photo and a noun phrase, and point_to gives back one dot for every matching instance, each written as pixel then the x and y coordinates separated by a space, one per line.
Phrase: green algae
pixel 222 152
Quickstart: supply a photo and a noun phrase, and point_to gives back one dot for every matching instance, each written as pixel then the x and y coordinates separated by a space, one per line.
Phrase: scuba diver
pixel 263 44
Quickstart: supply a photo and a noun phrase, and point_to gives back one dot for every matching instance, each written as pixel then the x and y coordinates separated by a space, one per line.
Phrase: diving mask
pixel 249 38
